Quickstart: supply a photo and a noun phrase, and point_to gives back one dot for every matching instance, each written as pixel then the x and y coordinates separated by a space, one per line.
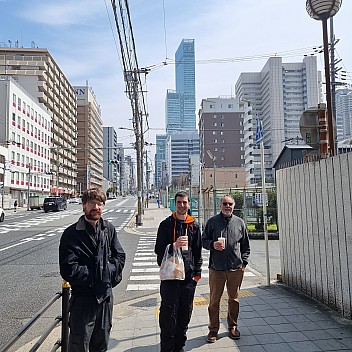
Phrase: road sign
pixel 309 127
pixel 259 132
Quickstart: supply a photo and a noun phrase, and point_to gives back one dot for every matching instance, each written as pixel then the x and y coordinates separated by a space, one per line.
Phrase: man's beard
pixel 93 215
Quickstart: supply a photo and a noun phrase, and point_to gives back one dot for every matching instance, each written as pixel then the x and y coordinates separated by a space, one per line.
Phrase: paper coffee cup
pixel 222 240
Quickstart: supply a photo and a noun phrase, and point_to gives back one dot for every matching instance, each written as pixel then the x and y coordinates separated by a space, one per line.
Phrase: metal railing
pixel 63 342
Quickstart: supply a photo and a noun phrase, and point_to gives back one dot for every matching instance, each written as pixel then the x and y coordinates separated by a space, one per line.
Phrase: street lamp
pixel 213 158
pixel 322 10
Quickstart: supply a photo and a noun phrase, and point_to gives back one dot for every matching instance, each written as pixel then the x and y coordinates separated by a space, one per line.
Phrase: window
pixel 214 133
pixel 215 116
pixel 222 158
pixel 215 140
pixel 13 117
pixel 215 149
pixel 215 124
pixel 222 133
pixel 221 124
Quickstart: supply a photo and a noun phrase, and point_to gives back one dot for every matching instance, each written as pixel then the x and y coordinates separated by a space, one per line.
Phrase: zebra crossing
pixel 145 270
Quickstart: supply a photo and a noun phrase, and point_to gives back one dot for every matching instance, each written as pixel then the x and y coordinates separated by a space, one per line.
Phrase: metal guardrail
pixel 63 342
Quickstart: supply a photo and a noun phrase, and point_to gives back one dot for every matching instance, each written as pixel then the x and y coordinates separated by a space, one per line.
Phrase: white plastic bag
pixel 172 266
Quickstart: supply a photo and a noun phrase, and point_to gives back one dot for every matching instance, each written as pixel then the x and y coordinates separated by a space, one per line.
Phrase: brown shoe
pixel 234 334
pixel 212 337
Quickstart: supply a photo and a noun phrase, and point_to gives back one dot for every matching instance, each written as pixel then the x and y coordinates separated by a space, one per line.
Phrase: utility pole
pixel 134 89
pixel 29 181
pixel 146 178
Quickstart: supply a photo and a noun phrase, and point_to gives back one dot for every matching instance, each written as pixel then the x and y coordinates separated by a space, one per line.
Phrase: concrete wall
pixel 315 226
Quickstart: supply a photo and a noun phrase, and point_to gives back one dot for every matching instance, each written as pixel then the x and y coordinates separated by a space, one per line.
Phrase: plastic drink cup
pixel 185 248
pixel 222 240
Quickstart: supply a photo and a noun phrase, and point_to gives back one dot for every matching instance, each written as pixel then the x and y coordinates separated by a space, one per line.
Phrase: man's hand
pixel 219 245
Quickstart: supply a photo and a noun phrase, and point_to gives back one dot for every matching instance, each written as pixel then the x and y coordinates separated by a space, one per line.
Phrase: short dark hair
pixel 181 194
pixel 93 193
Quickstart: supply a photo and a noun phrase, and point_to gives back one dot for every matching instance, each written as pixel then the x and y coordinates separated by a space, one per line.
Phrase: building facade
pixel 180 116
pixel 160 157
pixel 26 134
pixel 90 139
pixel 179 148
pixel 38 73
pixel 343 99
pixel 279 94
pixel 110 152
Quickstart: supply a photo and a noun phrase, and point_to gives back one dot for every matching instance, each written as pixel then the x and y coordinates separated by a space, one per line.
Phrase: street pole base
pixel 139 220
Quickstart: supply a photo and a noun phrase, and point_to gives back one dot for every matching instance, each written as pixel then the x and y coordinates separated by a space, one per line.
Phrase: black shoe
pixel 234 334
pixel 212 337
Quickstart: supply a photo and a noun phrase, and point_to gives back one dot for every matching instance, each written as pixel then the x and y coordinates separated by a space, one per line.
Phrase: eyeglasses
pixel 93 204
pixel 227 204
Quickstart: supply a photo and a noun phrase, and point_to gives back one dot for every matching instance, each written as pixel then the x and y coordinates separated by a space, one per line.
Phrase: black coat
pixel 170 229
pixel 91 266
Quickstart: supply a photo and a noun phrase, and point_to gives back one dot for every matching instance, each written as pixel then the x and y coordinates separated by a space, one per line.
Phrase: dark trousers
pixel 90 324
pixel 175 313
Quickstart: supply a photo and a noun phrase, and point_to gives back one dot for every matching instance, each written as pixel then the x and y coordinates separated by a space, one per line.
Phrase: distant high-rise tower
pixel 344 113
pixel 181 103
pixel 180 115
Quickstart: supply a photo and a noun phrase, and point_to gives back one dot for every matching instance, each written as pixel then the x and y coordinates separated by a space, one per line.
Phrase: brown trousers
pixel 217 280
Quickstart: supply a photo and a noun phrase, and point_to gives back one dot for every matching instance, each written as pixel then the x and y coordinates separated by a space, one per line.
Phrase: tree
pixel 238 197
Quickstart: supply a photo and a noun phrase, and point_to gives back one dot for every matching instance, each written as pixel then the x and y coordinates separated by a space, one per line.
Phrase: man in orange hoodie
pixel 182 232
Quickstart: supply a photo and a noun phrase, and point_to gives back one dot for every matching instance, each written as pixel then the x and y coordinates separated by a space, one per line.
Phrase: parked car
pixel 54 203
pixel 75 200
pixel 2 215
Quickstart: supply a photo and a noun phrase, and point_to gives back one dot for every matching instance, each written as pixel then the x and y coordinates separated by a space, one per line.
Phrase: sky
pixel 81 36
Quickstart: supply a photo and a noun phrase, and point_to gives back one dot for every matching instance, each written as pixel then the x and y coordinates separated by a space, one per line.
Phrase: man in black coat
pixel 91 260
pixel 182 232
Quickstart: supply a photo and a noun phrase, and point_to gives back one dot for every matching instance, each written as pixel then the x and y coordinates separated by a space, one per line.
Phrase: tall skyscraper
pixel 181 103
pixel 344 113
pixel 160 157
pixel 110 152
pixel 180 114
pixel 90 139
pixel 279 94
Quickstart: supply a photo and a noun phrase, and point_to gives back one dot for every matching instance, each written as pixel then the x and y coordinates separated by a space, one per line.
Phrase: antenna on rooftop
pixel 32 44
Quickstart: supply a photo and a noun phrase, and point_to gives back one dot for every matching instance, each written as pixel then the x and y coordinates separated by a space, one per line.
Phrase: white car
pixel 75 200
pixel 2 215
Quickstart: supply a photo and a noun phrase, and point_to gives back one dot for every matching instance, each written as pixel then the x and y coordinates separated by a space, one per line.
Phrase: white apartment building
pixel 279 94
pixel 36 70
pixel 343 100
pixel 26 131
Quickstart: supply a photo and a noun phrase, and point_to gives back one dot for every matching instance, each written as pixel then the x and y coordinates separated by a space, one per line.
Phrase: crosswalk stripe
pixel 144 277
pixel 142 287
pixel 145 264
pixel 145 270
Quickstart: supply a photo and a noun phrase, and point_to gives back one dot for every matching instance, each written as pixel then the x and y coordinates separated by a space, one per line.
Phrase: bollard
pixel 65 314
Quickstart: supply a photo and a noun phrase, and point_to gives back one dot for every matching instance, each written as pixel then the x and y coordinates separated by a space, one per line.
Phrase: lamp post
pixel 322 10
pixel 213 158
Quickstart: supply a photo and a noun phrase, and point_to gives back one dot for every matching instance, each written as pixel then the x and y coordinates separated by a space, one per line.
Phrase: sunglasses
pixel 229 204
